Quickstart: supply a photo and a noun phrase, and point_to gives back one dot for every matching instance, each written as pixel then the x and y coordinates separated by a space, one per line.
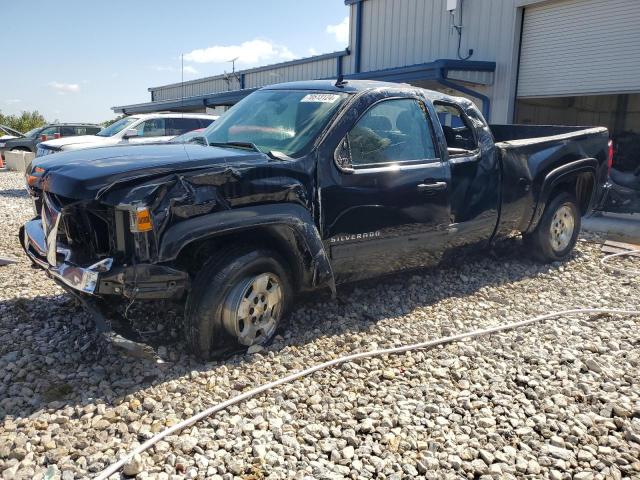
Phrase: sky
pixel 74 60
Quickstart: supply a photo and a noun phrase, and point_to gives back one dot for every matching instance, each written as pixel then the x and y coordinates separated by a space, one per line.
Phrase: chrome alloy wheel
pixel 562 228
pixel 253 308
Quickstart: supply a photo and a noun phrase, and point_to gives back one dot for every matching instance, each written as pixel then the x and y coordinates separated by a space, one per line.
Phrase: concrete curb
pixel 616 226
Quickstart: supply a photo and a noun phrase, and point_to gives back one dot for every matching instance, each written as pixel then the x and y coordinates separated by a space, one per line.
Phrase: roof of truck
pixel 353 86
pixel 330 85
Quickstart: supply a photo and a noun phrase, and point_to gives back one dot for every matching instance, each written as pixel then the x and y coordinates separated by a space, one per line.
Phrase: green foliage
pixel 109 122
pixel 23 122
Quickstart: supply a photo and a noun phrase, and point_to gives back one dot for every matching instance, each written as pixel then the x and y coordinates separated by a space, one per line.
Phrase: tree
pixel 23 122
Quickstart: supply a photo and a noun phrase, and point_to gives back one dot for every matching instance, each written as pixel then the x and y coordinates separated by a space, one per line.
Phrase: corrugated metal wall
pixel 406 32
pixel 580 47
pixel 256 77
pixel 192 88
pixel 303 71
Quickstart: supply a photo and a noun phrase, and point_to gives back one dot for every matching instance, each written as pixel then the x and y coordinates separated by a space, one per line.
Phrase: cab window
pixel 178 126
pixel 392 131
pixel 151 128
pixel 457 128
pixel 49 132
pixel 68 131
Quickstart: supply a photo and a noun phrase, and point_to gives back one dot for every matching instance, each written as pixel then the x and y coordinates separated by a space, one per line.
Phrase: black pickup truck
pixel 302 186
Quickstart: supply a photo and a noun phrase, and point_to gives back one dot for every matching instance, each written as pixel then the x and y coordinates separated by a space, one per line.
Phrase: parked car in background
pixel 189 137
pixel 150 128
pixel 28 141
pixel 302 186
pixel 7 133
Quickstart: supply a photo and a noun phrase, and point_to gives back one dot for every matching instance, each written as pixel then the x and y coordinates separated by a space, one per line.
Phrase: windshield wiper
pixel 273 154
pixel 243 145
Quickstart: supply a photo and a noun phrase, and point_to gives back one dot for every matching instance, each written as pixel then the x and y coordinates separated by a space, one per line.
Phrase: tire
pixel 558 229
pixel 236 300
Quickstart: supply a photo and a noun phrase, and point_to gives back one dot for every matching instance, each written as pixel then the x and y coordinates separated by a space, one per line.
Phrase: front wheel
pixel 558 229
pixel 236 301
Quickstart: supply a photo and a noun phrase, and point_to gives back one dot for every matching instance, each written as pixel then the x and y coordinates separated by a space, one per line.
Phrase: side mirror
pixel 199 140
pixel 342 156
pixel 131 133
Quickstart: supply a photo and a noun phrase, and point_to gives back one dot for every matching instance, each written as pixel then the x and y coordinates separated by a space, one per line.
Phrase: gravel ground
pixel 558 400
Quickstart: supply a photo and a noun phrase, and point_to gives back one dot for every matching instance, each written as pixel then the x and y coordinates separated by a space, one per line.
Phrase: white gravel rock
pixel 556 400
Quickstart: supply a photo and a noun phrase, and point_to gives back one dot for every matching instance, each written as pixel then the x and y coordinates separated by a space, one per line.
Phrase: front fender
pixel 557 176
pixel 288 215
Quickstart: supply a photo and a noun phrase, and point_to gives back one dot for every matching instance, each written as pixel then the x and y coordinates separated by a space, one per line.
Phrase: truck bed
pixel 528 153
pixel 536 133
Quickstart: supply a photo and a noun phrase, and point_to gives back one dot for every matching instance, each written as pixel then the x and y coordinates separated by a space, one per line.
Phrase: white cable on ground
pixel 632 271
pixel 348 358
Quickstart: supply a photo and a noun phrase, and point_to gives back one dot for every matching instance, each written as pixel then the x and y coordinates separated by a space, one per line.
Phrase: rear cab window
pixel 178 126
pixel 457 127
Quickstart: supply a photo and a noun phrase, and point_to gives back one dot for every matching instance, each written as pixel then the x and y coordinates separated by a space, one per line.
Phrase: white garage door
pixel 580 47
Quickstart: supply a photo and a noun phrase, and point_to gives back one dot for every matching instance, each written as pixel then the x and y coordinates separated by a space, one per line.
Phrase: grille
pixel 87 232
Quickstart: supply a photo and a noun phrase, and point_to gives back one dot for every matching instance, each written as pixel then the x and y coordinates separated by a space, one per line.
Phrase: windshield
pixel 9 131
pixel 276 120
pixel 33 132
pixel 116 127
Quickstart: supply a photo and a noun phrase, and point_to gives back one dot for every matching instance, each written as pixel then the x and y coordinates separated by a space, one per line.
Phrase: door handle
pixel 432 187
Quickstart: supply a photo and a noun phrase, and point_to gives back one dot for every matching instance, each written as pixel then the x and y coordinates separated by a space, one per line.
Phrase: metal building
pixel 524 61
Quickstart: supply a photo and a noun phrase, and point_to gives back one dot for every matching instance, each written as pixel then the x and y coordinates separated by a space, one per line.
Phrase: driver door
pixel 386 207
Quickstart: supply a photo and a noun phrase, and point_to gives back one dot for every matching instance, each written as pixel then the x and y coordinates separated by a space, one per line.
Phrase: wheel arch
pixel 577 177
pixel 288 229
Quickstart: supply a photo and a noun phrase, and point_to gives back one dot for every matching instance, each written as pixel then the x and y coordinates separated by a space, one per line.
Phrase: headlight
pixel 34 176
pixel 2 144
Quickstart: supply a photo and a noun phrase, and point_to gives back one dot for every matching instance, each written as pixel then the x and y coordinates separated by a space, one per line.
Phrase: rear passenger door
pixel 386 207
pixel 71 131
pixel 475 173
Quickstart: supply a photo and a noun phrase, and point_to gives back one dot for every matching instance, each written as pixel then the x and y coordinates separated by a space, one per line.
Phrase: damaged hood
pixel 82 174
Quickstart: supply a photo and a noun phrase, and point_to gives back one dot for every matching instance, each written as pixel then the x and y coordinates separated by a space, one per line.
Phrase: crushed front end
pixel 97 250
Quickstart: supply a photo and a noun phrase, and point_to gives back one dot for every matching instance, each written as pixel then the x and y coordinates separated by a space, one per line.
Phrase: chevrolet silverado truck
pixel 303 186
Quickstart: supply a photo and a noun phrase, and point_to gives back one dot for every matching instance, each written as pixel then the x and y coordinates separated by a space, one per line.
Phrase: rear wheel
pixel 236 301
pixel 558 229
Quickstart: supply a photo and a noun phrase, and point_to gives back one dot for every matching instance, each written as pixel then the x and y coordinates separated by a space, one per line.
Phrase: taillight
pixel 610 157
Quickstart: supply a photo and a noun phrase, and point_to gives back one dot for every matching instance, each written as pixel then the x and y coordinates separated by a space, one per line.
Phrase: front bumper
pixel 34 241
pixel 142 281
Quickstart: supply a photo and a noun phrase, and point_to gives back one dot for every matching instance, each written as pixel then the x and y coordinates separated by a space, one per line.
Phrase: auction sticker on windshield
pixel 320 97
